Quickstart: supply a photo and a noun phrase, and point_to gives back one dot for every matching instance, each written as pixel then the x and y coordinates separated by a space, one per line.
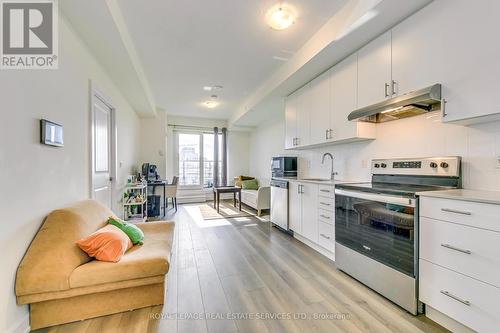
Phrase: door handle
pixel 324 236
pixel 386 89
pixel 394 87
pixel 325 217
pixel 456 298
pixel 326 134
pixel 448 210
pixel 451 247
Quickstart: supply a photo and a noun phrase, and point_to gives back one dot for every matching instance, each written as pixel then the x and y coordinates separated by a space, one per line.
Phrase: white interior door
pixel 102 151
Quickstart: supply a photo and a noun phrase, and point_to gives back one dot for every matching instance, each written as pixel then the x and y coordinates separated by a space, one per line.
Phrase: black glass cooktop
pixel 406 190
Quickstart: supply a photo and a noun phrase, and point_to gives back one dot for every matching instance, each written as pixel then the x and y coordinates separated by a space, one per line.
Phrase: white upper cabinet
pixel 417 51
pixel 344 92
pixel 291 111
pixel 318 104
pixel 472 68
pixel 374 71
pixel 304 116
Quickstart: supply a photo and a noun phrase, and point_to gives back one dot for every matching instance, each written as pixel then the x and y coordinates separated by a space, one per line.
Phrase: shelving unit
pixel 135 202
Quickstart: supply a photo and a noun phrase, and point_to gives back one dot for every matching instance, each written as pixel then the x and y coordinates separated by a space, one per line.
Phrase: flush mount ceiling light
pixel 212 88
pixel 212 102
pixel 280 17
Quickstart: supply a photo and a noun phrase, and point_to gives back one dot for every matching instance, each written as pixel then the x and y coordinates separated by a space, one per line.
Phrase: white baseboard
pixel 330 255
pixel 21 326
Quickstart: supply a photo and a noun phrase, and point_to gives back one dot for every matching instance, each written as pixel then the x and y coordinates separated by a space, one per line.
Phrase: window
pixel 196 158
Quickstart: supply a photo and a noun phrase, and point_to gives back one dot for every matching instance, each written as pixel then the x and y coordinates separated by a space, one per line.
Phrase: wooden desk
pixel 226 189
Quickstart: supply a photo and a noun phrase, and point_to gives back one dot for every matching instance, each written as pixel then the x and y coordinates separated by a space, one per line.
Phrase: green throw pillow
pixel 133 232
pixel 250 184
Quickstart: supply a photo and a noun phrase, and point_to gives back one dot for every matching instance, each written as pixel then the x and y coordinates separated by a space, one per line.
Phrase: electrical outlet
pixel 498 162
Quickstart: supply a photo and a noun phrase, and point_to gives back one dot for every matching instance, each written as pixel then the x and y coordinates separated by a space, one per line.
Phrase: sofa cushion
pixel 133 232
pixel 250 184
pixel 53 254
pixel 150 259
pixel 106 244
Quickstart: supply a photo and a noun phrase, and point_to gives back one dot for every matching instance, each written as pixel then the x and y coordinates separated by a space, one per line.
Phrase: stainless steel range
pixel 376 224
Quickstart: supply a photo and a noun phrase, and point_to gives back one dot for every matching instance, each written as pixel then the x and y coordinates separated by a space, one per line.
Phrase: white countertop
pixel 319 181
pixel 490 197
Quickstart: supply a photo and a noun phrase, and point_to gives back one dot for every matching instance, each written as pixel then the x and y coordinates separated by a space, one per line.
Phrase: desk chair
pixel 171 192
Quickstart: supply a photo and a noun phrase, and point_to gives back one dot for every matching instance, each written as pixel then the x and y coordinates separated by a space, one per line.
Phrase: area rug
pixel 226 211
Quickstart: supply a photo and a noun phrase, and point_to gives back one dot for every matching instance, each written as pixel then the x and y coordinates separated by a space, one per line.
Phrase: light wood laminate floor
pixel 235 275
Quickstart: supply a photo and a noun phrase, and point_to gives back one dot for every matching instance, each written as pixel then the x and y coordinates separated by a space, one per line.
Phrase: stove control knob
pixel 444 165
pixel 377 165
pixel 383 165
pixel 433 165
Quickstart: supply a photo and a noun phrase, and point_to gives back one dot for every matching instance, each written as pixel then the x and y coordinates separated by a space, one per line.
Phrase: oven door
pixel 381 227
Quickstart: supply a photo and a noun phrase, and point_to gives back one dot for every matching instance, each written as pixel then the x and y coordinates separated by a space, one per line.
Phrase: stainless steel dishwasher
pixel 279 203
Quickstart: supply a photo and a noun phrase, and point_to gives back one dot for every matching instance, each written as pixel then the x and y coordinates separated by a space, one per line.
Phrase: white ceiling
pixel 183 46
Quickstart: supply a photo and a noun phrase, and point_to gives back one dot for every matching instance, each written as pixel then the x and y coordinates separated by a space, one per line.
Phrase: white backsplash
pixel 420 136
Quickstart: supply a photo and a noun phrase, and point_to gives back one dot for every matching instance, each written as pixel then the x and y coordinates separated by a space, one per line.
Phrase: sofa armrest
pixel 264 197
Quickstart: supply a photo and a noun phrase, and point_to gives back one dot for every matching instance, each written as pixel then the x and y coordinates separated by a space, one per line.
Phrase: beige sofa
pixel 61 283
pixel 257 199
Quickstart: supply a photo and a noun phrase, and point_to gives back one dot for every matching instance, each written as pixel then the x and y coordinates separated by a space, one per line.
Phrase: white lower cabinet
pixel 310 211
pixel 468 301
pixel 311 215
pixel 459 259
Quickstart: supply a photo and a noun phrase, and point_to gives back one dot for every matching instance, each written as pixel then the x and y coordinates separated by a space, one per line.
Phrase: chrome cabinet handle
pixel 326 134
pixel 443 108
pixel 394 87
pixel 324 236
pixel 448 210
pixel 324 203
pixel 367 248
pixel 324 216
pixel 456 298
pixel 386 89
pixel 451 247
pixel 326 191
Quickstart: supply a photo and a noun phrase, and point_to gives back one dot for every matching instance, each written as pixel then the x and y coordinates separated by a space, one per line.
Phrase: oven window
pixel 381 231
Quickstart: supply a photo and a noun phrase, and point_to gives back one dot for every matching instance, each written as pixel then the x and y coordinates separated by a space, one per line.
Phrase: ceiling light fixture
pixel 211 104
pixel 210 88
pixel 280 17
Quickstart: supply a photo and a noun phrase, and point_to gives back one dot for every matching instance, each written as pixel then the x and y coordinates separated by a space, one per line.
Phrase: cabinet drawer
pixel 326 236
pixel 468 301
pixel 326 203
pixel 469 213
pixel 470 251
pixel 325 216
pixel 326 191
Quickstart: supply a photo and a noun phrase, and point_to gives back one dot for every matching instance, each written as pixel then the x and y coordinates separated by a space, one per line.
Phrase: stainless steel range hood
pixel 410 104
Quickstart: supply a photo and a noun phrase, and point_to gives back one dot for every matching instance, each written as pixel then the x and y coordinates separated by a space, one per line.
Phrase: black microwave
pixel 284 166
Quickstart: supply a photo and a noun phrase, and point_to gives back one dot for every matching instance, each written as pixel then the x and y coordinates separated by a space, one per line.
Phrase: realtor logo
pixel 29 34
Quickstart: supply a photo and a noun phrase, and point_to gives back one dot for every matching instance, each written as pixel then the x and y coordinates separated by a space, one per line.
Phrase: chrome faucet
pixel 323 162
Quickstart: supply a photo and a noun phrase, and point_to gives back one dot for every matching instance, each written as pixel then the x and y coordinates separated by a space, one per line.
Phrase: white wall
pixel 153 142
pixel 266 141
pixel 35 178
pixel 420 136
pixel 238 156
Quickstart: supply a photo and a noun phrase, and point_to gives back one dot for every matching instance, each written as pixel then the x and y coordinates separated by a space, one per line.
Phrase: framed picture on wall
pixel 51 133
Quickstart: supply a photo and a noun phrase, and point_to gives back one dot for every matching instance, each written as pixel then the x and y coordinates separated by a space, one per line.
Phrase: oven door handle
pixel 407 202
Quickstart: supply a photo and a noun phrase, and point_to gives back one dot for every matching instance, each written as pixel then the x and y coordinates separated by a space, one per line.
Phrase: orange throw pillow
pixel 106 244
